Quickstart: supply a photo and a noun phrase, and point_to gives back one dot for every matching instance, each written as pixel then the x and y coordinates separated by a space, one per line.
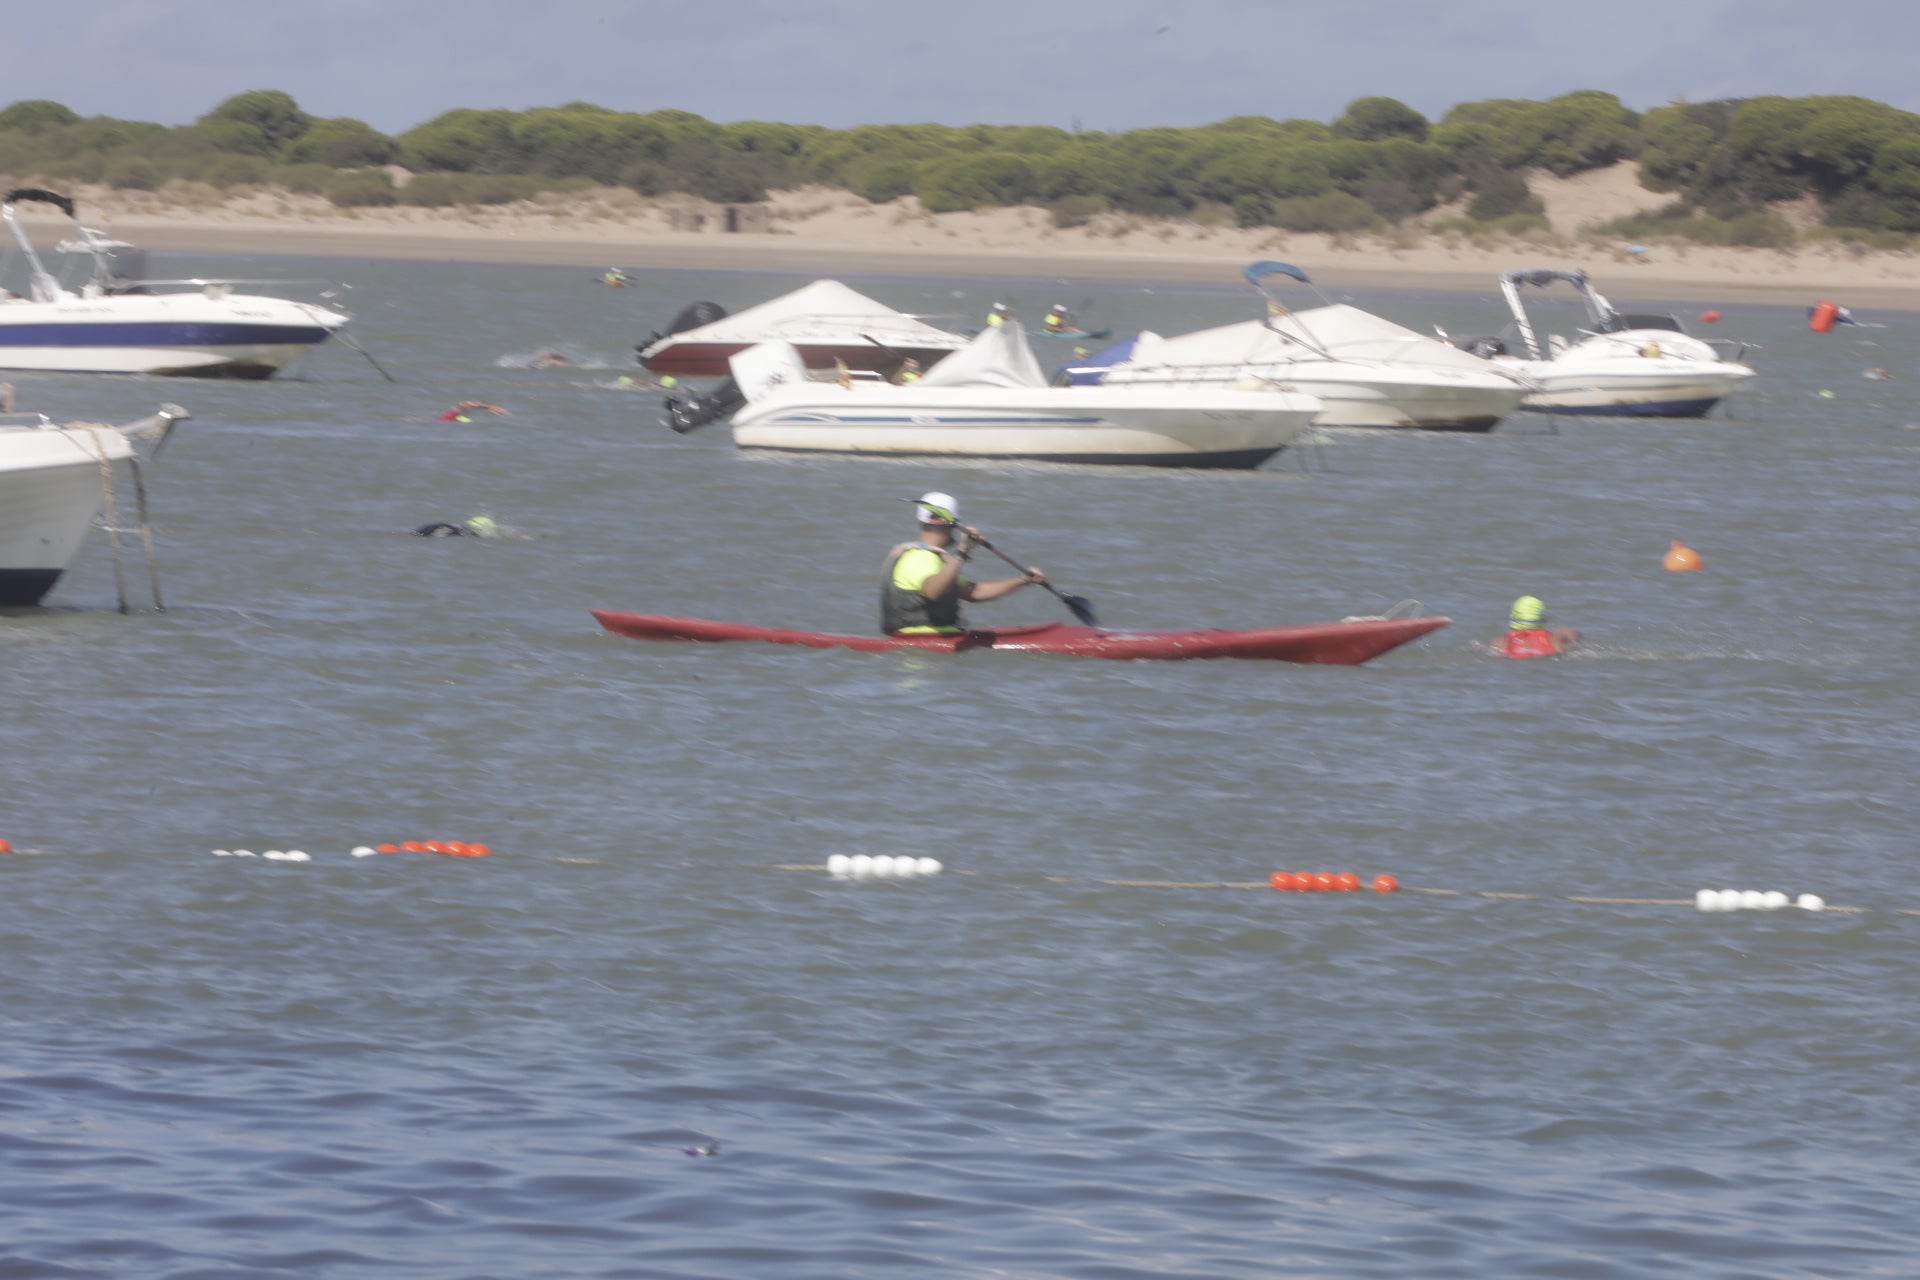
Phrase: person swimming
pixel 472 527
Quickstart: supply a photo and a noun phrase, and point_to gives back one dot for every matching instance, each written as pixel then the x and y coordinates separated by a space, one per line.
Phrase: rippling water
pixel 1034 1064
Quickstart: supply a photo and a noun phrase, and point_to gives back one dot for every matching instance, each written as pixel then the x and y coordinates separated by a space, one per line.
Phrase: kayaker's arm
pixel 1002 586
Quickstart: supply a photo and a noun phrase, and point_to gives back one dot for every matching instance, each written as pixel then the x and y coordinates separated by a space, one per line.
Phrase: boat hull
pixel 1338 643
pixel 51 488
pixel 192 335
pixel 1136 427
pixel 1444 401
pixel 1650 393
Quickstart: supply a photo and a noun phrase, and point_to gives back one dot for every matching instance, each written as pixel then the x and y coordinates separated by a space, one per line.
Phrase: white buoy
pixel 223 853
pixel 1772 900
pixel 928 866
pixel 243 853
pixel 1729 899
pixel 298 855
pixel 362 851
pixel 1707 899
pixel 1752 899
pixel 883 864
pixel 840 866
pixel 860 864
pixel 1810 902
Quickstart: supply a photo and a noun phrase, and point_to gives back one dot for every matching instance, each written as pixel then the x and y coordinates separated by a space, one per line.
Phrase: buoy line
pixel 1704 900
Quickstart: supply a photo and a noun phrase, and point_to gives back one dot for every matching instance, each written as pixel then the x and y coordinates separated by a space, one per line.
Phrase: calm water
pixel 429 1067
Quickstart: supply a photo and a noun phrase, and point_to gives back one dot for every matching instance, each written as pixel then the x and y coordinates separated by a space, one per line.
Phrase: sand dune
pixel 828 231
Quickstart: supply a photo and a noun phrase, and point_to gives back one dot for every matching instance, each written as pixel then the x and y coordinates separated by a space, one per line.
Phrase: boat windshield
pixel 1638 320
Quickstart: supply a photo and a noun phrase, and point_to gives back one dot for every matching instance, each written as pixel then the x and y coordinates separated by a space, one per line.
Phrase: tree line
pixel 1727 164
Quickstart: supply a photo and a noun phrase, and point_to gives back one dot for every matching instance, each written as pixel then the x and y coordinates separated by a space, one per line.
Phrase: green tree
pixel 36 115
pixel 1377 119
pixel 267 118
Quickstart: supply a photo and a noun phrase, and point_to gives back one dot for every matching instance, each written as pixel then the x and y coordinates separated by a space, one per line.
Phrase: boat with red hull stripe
pixel 1342 643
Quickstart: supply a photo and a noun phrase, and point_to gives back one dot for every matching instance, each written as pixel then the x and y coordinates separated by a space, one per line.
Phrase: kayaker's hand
pixel 1033 576
pixel 971 539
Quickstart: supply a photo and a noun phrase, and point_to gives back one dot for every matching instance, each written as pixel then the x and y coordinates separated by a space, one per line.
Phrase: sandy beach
pixel 825 232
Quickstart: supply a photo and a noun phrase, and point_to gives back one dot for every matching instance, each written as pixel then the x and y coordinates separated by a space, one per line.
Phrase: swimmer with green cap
pixel 1528 635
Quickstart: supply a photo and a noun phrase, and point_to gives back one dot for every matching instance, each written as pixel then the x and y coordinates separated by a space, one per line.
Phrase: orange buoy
pixel 386 848
pixel 1281 880
pixel 478 851
pixel 413 846
pixel 1323 882
pixel 1347 881
pixel 1822 318
pixel 1709 316
pixel 1680 556
pixel 1385 884
pixel 6 846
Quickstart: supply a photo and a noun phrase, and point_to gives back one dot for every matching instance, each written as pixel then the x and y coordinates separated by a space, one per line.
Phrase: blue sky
pixel 1121 64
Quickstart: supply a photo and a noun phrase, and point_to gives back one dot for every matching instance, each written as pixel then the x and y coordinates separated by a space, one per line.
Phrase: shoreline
pixel 825 233
pixel 1763 281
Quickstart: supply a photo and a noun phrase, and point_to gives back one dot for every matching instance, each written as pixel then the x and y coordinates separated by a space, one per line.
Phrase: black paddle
pixel 1077 604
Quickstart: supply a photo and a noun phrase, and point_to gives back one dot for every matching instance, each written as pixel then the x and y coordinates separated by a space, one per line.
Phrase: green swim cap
pixel 669 381
pixel 1528 611
pixel 483 525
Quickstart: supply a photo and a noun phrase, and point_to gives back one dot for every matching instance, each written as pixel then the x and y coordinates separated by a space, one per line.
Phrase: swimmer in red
pixel 1529 636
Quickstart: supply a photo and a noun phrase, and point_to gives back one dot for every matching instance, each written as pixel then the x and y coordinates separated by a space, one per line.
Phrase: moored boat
pixel 54 480
pixel 991 400
pixel 1641 364
pixel 117 322
pixel 827 323
pixel 1346 643
pixel 1367 371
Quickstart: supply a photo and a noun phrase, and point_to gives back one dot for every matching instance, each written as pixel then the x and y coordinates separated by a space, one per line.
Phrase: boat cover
pixel 997 357
pixel 825 309
pixel 1344 332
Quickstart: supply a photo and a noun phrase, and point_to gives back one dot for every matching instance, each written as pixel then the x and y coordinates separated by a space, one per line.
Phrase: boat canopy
pixel 1541 277
pixel 825 310
pixel 997 357
pixel 1261 270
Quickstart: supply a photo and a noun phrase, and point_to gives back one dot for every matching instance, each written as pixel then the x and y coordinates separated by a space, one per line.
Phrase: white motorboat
pixel 54 479
pixel 116 322
pixel 1369 372
pixel 1638 365
pixel 991 400
pixel 829 324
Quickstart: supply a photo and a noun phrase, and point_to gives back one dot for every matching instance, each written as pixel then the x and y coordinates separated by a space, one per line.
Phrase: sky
pixel 1108 65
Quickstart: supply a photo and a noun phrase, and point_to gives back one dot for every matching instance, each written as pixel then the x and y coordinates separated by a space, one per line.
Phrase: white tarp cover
pixel 824 310
pixel 1347 333
pixel 998 357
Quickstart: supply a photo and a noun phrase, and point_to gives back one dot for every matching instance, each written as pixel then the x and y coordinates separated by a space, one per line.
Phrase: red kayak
pixel 1343 643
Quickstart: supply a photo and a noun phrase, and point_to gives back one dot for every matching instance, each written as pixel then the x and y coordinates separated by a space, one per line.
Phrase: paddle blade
pixel 1080 608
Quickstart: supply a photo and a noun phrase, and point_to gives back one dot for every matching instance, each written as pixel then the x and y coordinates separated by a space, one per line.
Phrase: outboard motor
pixel 684 415
pixel 691 316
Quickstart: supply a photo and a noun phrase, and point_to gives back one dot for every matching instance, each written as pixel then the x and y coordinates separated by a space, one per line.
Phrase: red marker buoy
pixel 1385 884
pixel 1824 316
pixel 6 846
pixel 1709 316
pixel 1347 882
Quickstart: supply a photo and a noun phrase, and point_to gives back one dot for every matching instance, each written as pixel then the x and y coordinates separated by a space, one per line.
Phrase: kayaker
pixel 922 586
pixel 1058 319
pixel 1529 636
pixel 909 371
pixel 1000 314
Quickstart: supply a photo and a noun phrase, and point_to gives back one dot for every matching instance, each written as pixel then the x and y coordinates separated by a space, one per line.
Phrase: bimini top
pixel 1261 270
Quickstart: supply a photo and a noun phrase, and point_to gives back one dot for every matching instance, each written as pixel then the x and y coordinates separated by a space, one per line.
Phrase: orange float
pixel 6 846
pixel 1385 884
pixel 1709 316
pixel 1347 881
pixel 1823 318
pixel 1680 557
